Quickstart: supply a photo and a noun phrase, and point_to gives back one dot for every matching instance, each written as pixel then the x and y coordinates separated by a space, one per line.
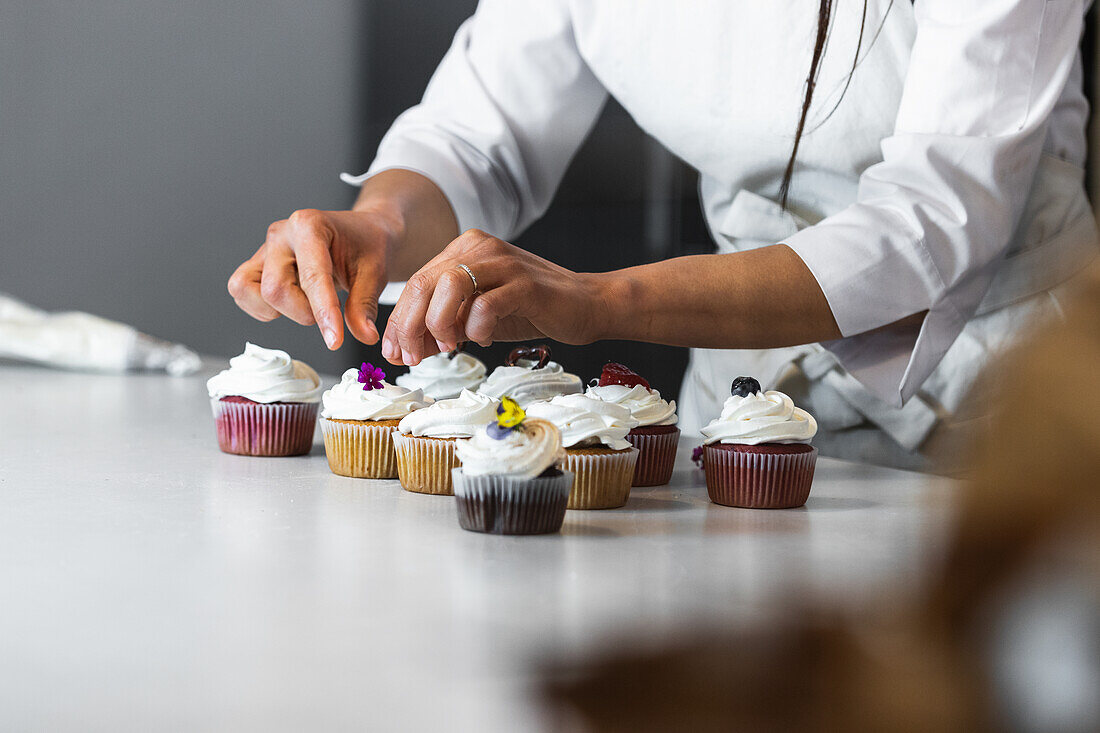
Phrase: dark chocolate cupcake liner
pixel 656 457
pixel 511 505
pixel 759 480
pixel 257 429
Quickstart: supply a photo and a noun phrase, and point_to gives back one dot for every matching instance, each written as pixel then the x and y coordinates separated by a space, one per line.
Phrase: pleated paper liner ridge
pixel 257 429
pixel 602 476
pixel 755 477
pixel 360 448
pixel 424 464
pixel 656 454
pixel 511 505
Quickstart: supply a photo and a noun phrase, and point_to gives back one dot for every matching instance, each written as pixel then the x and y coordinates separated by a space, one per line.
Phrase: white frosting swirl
pixel 645 405
pixel 526 451
pixel 442 378
pixel 586 421
pixel 460 417
pixel 525 384
pixel 349 401
pixel 764 417
pixel 266 375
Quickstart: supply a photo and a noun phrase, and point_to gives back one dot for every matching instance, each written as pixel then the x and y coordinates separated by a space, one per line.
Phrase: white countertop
pixel 149 582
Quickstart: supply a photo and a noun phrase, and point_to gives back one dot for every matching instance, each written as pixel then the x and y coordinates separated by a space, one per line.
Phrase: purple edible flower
pixel 370 376
pixel 697 456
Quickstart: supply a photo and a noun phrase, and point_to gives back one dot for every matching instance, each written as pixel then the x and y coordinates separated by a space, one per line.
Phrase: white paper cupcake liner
pixel 424 464
pixel 511 505
pixel 602 479
pixel 359 449
pixel 257 429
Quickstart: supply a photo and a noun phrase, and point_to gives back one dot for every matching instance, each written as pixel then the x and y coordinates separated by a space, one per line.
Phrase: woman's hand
pixel 519 296
pixel 400 221
pixel 304 259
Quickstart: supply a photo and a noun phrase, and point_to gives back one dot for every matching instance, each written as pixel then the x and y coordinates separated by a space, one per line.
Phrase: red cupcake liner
pixel 656 456
pixel 511 505
pixel 256 429
pixel 757 478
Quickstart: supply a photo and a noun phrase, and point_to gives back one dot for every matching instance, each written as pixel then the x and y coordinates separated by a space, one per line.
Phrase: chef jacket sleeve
pixel 932 221
pixel 502 116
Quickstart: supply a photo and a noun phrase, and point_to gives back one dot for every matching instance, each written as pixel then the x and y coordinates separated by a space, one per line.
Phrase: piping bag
pixel 82 341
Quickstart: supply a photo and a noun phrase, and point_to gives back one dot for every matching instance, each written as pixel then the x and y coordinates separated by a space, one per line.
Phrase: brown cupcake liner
pixel 602 476
pixel 511 505
pixel 257 429
pixel 758 480
pixel 424 464
pixel 360 449
pixel 656 456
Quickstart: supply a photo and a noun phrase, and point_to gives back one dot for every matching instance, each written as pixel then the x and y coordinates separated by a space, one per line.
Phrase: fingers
pixel 403 341
pixel 310 238
pixel 244 286
pixel 279 287
pixel 361 308
pixel 434 301
pixel 488 309
pixel 452 288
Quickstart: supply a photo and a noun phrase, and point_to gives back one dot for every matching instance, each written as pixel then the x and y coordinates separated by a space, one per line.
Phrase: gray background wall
pixel 145 147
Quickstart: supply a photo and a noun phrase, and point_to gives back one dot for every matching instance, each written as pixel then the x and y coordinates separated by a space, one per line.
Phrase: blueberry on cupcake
pixel 757 453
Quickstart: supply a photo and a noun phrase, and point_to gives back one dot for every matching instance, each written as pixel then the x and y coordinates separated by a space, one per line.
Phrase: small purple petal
pixel 364 372
pixel 496 432
pixel 697 456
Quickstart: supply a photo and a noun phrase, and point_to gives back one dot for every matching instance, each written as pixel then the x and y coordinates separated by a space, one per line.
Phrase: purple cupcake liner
pixel 656 457
pixel 256 429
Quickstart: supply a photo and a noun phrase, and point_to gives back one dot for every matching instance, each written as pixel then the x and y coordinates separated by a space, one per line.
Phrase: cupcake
pixel 656 436
pixel 265 403
pixel 757 452
pixel 360 413
pixel 511 480
pixel 529 376
pixel 596 450
pixel 425 440
pixel 445 376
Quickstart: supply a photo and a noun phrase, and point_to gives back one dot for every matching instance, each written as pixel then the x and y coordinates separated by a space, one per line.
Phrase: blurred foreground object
pixel 85 342
pixel 1005 637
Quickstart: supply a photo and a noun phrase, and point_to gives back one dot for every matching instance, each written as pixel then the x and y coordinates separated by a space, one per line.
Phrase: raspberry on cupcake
pixel 265 403
pixel 656 435
pixel 596 449
pixel 757 453
pixel 359 416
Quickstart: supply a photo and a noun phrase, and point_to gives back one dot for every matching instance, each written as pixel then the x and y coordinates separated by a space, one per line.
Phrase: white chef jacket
pixel 948 180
